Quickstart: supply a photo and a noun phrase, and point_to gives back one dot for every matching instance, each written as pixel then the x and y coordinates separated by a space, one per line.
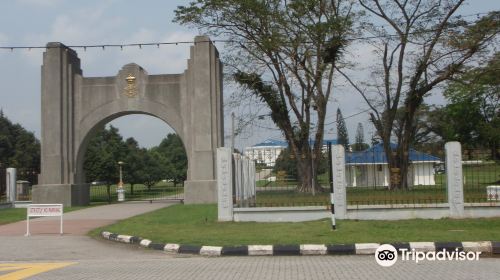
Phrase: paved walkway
pixel 81 257
pixel 82 221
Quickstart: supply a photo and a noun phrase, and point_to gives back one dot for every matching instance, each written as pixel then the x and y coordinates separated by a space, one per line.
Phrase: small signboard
pixel 44 210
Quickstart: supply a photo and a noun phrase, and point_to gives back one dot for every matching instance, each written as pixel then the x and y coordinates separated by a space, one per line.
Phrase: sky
pixel 36 22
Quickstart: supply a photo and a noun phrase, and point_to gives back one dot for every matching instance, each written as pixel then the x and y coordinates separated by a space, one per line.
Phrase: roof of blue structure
pixel 376 155
pixel 272 142
pixel 281 143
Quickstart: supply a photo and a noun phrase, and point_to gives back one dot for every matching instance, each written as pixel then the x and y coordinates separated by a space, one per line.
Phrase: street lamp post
pixel 120 191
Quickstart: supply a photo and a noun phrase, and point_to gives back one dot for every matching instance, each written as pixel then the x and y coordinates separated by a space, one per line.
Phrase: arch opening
pixel 149 171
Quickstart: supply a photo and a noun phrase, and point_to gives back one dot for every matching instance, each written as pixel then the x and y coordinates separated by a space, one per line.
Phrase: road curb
pixel 486 247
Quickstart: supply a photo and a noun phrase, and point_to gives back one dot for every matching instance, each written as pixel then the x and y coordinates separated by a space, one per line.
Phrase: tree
pixel 475 97
pixel 284 53
pixel 359 144
pixel 421 46
pixel 286 161
pixel 133 169
pixel 342 136
pixel 153 170
pixel 173 158
pixel 104 151
pixel 18 147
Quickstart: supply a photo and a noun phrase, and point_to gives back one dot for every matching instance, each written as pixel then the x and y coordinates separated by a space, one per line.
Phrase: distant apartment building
pixel 268 151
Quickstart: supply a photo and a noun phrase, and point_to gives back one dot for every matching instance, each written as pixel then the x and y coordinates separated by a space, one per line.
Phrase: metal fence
pixel 480 171
pixel 137 192
pixel 26 178
pixel 277 183
pixel 370 180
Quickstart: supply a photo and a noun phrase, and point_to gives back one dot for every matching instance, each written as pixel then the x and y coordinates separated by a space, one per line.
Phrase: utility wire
pixel 326 124
pixel 158 44
pixel 350 116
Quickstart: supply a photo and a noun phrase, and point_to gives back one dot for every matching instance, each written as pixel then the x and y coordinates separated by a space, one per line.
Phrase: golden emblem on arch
pixel 131 88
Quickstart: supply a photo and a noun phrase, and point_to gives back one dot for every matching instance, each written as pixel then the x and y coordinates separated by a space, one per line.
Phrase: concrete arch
pixel 74 106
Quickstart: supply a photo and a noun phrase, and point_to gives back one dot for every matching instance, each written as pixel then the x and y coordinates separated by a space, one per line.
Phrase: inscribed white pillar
pixel 11 184
pixel 454 179
pixel 224 184
pixel 339 181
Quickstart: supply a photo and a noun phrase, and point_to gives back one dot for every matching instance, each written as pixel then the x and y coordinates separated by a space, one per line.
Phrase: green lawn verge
pixel 197 225
pixel 11 215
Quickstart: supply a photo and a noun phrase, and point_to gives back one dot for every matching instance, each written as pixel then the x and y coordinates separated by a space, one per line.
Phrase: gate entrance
pixel 74 107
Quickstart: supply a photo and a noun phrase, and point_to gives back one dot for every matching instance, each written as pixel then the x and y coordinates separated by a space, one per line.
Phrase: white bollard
pixel 121 194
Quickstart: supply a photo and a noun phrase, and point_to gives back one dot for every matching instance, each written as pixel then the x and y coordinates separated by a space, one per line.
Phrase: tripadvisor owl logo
pixel 386 255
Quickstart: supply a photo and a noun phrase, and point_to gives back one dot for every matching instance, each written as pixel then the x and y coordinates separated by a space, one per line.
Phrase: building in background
pixel 369 168
pixel 268 151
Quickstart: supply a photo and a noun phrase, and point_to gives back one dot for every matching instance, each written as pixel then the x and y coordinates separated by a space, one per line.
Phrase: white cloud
pixel 93 25
pixel 86 25
pixel 162 59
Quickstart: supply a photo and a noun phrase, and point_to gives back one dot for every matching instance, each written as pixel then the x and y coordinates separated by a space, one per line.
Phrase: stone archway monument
pixel 74 107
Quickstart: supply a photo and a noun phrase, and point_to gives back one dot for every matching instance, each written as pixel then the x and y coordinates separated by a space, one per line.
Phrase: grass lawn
pixel 11 215
pixel 197 225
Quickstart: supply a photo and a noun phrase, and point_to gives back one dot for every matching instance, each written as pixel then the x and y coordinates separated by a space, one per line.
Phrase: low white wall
pixel 398 212
pixel 22 204
pixel 4 205
pixel 280 214
pixel 363 212
pixel 482 210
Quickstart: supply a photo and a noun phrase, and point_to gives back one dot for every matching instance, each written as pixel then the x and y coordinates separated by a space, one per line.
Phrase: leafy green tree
pixel 284 53
pixel 172 156
pixel 286 161
pixel 360 144
pixel 153 171
pixel 18 147
pixel 133 169
pixel 472 115
pixel 104 151
pixel 342 135
pixel 422 45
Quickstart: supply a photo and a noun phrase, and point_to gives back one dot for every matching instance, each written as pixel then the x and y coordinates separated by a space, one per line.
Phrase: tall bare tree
pixel 421 45
pixel 284 53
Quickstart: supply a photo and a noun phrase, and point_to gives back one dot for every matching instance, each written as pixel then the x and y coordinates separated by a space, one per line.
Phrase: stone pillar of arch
pixel 74 107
